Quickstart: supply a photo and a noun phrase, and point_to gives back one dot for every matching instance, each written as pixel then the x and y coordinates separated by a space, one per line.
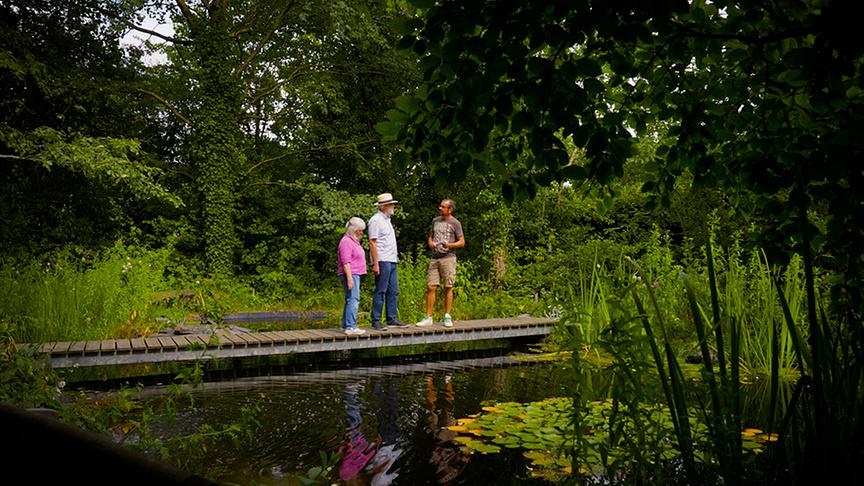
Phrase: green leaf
pixel 388 129
pixel 408 104
pixel 574 172
pixel 397 116
pixel 587 67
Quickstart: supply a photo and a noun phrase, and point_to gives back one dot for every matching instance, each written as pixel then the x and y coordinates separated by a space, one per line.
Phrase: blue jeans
pixel 352 301
pixel 386 288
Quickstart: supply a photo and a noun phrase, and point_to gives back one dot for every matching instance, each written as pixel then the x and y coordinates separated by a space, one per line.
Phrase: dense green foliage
pixel 763 102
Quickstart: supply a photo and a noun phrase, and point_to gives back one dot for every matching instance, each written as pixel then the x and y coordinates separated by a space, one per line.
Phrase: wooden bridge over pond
pixel 232 344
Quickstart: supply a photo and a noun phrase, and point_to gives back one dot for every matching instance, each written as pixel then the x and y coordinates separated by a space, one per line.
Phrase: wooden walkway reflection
pixel 227 344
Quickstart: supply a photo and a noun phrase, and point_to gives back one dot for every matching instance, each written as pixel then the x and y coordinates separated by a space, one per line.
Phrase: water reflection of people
pixel 386 393
pixel 357 451
pixel 447 456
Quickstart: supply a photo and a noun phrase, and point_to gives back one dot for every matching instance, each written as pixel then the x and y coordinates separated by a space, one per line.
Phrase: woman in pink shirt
pixel 352 264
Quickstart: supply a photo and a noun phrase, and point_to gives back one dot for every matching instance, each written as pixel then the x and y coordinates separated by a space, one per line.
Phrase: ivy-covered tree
pixel 276 90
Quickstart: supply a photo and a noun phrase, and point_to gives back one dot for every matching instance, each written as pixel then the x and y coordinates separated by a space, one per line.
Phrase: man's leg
pixel 392 295
pixel 430 299
pixel 381 281
pixel 448 299
pixel 431 285
pixel 448 275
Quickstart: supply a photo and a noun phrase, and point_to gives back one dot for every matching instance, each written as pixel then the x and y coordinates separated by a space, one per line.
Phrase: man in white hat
pixel 385 257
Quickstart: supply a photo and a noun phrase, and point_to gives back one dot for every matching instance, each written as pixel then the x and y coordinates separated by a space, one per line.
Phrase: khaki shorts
pixel 442 269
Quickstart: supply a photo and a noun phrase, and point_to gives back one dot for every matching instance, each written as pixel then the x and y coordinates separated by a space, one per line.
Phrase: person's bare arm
pixel 373 253
pixel 456 244
pixel 348 277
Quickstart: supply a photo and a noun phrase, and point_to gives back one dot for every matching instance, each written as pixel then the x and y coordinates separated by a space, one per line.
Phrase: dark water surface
pixel 388 421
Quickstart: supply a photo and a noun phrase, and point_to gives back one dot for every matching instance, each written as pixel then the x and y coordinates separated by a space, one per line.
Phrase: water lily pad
pixel 486 448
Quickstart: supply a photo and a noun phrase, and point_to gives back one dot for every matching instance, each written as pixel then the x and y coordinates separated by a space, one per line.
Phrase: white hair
pixel 353 225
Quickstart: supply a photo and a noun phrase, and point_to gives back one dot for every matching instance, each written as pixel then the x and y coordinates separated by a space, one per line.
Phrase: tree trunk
pixel 216 144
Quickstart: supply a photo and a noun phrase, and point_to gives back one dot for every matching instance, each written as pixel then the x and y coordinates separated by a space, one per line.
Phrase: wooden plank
pixel 45 348
pixel 402 331
pixel 123 345
pixel 215 340
pixel 230 338
pixel 138 345
pixel 334 333
pixel 287 336
pixel 61 347
pixel 108 346
pixel 77 347
pixel 250 339
pixel 198 339
pixel 304 336
pixel 320 335
pixel 266 338
pixel 153 344
pixel 180 341
pixel 166 343
pixel 92 346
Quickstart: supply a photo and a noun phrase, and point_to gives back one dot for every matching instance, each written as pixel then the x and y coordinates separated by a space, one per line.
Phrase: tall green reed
pixel 824 424
pixel 721 409
pixel 743 324
pixel 586 307
pixel 67 299
pixel 749 295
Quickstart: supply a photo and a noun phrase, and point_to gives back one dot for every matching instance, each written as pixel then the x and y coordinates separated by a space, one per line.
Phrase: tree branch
pixel 186 11
pixel 167 104
pixel 294 152
pixel 17 157
pixel 278 84
pixel 260 47
pixel 157 34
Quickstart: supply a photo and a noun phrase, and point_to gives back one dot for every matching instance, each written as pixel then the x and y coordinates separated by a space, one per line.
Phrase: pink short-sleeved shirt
pixel 350 251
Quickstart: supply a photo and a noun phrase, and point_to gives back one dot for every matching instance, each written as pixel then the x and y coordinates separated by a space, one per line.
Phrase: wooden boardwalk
pixel 227 344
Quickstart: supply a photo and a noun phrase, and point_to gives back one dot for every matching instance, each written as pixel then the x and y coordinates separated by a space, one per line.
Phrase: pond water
pixel 385 419
pixel 388 422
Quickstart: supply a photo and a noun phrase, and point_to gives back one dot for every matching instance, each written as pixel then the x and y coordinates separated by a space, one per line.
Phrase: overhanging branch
pixel 157 34
pixel 167 104
pixel 294 152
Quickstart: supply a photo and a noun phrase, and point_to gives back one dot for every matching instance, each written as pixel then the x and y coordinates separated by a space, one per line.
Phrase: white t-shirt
pixel 381 230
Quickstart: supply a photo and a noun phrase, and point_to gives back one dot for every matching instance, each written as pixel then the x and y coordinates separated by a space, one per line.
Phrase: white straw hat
pixel 386 198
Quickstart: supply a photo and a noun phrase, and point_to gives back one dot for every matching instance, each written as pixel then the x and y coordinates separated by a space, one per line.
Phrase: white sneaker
pixel 425 322
pixel 354 331
pixel 448 321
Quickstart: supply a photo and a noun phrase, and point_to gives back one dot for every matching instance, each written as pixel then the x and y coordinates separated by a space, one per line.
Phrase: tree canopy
pixel 761 100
